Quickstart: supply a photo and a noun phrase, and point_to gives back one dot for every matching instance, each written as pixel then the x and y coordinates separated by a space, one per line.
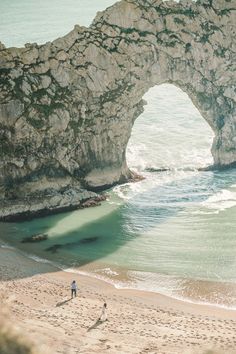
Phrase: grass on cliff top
pixel 11 343
pixel 11 340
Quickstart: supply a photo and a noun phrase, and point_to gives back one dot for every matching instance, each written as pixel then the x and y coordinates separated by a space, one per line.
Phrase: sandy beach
pixel 38 296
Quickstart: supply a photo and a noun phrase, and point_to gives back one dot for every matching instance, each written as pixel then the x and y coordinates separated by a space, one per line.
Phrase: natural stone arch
pixel 67 107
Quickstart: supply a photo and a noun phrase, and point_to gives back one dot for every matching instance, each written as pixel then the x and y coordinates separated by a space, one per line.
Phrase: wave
pixel 220 201
pixel 141 286
pixel 129 190
pixel 6 246
pixel 40 260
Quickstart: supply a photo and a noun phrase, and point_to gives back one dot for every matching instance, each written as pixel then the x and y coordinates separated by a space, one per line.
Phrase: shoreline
pixel 159 293
pixel 115 284
pixel 89 277
pixel 139 321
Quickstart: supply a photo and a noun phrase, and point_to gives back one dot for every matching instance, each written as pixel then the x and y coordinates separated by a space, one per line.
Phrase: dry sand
pixel 138 322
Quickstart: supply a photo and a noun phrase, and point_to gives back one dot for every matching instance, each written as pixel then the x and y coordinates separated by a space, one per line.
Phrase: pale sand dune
pixel 138 322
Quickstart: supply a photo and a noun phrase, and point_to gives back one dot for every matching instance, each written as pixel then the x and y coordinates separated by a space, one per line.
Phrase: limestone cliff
pixel 67 107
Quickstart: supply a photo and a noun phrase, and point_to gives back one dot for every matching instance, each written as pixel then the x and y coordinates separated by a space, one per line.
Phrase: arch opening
pixel 170 134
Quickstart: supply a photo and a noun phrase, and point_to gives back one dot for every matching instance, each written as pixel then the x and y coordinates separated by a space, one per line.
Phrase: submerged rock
pixel 35 238
pixel 54 248
pixel 153 169
pixel 68 245
pixel 89 239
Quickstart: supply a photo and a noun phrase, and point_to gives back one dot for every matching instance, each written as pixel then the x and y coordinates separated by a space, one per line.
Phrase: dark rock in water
pixel 54 248
pixel 35 238
pixel 92 202
pixel 69 245
pixel 89 239
pixel 135 177
pixel 153 169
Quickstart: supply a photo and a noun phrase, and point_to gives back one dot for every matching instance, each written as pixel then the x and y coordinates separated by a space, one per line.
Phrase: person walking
pixel 103 316
pixel 73 289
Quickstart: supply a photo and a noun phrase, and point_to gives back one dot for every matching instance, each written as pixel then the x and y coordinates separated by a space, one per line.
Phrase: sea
pixel 174 232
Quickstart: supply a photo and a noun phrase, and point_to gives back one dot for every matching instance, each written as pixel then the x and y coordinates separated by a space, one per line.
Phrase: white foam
pixel 90 274
pixel 201 212
pixel 220 201
pixel 38 259
pixel 129 190
pixel 107 271
pixel 166 285
pixel 146 281
pixel 6 246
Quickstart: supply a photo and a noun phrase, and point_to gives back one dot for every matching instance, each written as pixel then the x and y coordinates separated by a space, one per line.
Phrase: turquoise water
pixel 173 232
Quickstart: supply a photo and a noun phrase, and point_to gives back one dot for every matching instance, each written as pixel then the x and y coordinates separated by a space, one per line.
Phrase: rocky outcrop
pixel 67 107
pixel 48 202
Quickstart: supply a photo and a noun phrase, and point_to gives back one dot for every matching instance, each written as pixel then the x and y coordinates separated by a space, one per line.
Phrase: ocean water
pixel 175 231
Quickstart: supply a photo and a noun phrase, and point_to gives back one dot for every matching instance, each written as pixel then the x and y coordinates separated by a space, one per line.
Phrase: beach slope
pixel 38 296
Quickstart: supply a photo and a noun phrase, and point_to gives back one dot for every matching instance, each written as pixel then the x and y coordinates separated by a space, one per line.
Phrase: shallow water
pixel 173 232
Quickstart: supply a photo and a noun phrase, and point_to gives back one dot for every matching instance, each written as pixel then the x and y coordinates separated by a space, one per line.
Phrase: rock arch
pixel 67 107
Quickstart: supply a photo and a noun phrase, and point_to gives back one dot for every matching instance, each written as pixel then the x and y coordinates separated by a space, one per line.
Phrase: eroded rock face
pixel 67 107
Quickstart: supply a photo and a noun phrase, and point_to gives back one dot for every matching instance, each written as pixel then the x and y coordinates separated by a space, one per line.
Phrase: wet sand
pixel 38 296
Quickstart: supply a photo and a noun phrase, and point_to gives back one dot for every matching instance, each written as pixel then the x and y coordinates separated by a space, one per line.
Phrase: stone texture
pixel 10 111
pixel 67 107
pixel 47 204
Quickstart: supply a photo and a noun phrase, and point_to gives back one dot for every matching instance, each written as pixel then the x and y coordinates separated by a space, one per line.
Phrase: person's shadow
pixel 95 325
pixel 63 302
